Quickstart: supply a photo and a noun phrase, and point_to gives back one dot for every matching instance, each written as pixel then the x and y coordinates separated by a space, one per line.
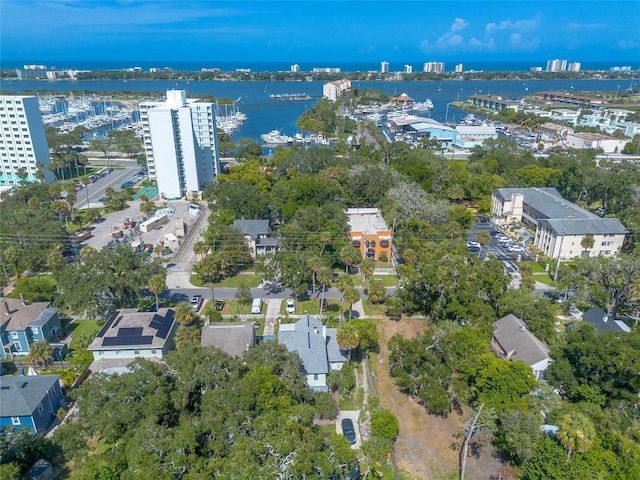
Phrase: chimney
pixel 24 302
pixel 6 307
pixel 523 328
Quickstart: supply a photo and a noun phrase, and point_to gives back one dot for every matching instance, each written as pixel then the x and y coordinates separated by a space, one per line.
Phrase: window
pixel 136 352
pixel 17 346
pixel 384 243
pixel 315 376
pixel 15 420
pixel 153 352
pixel 605 252
pixel 100 353
pixel 40 408
pixel 34 330
pixel 118 353
pixel 14 334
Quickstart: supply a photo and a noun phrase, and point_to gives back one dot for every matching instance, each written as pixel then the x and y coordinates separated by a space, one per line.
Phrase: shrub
pixel 383 257
pixel 384 424
pixel 342 380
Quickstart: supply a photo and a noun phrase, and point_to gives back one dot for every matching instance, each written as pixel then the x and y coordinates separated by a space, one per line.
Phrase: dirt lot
pixel 426 447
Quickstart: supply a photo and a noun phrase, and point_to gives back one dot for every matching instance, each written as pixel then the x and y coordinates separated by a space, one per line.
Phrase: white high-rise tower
pixel 23 143
pixel 181 143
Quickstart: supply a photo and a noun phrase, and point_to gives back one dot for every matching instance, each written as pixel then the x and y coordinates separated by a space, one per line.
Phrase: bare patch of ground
pixel 427 446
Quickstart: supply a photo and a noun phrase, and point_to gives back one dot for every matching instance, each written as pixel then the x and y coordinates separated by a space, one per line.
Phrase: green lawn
pixel 374 308
pixel 248 280
pixel 535 267
pixel 78 328
pixel 387 280
pixel 546 279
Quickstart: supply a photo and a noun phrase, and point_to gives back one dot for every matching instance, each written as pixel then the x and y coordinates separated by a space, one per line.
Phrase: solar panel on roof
pixel 130 331
pixel 125 341
pixel 163 331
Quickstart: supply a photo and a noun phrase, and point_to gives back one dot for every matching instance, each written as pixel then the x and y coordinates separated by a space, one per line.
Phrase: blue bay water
pixel 266 114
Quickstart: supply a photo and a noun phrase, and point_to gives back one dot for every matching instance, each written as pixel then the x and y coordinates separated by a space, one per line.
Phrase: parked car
pixel 196 302
pixel 473 245
pixel 515 248
pixel 291 306
pixel 219 305
pixel 348 431
pixel 323 305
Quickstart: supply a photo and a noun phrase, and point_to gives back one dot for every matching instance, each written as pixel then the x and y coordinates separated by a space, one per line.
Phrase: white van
pixel 256 306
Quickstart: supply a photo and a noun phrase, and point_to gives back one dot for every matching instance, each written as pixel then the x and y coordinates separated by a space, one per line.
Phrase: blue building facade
pixel 30 401
pixel 22 323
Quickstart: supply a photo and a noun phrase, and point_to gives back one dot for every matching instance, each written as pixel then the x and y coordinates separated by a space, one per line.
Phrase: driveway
pixel 353 415
pixel 271 317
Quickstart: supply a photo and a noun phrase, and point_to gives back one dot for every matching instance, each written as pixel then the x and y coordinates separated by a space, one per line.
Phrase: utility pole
pixel 555 274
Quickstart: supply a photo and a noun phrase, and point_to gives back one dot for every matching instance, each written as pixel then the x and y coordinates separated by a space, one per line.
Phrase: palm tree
pixel 376 291
pixel 55 260
pixel 184 313
pixel 324 276
pixel 348 339
pixel 157 285
pixel 314 263
pixel 350 256
pixel 587 242
pixel 409 255
pixel 366 268
pixel 351 295
pixel 59 206
pixel 200 248
pixel 482 237
pixel 343 283
pixel 40 352
pixel 576 433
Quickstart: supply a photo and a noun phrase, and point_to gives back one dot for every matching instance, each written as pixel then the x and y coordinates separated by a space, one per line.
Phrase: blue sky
pixel 273 31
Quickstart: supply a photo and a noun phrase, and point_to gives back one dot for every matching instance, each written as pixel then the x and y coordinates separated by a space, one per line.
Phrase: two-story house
pixel 257 236
pixel 317 346
pixel 22 323
pixel 30 401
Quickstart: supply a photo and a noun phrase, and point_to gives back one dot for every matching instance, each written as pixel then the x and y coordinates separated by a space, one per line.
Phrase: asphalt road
pixel 94 191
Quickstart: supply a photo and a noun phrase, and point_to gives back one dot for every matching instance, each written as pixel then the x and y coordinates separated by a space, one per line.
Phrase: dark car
pixel 323 305
pixel 348 431
pixel 219 305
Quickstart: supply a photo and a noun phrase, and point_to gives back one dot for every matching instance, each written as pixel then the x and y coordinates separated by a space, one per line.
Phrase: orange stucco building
pixel 369 232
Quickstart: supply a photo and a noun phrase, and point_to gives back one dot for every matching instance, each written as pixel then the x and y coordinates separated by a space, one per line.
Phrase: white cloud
pixel 517 42
pixel 459 24
pixel 519 25
pixel 628 44
pixel 584 26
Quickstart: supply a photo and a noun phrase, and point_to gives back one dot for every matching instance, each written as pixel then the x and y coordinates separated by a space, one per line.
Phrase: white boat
pixel 274 137
pixel 425 106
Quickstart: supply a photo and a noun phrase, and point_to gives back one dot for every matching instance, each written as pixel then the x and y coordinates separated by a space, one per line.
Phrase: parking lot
pixel 494 247
pixel 114 224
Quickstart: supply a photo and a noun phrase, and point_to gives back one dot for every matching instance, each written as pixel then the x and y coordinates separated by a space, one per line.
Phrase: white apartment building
pixel 332 90
pixel 180 142
pixel 459 68
pixel 433 67
pixel 574 67
pixel 556 65
pixel 384 67
pixel 295 68
pixel 408 69
pixel 560 225
pixel 23 144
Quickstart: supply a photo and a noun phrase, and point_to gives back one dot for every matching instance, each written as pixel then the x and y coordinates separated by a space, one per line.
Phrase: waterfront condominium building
pixel 408 69
pixel 295 68
pixel 433 67
pixel 180 142
pixel 574 67
pixel 556 65
pixel 459 68
pixel 23 144
pixel 384 67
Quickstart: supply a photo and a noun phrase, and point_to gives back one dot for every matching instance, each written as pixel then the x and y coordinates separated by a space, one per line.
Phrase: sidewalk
pixel 179 279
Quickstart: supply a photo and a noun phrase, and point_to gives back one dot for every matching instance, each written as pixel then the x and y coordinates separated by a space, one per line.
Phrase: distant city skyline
pixel 320 32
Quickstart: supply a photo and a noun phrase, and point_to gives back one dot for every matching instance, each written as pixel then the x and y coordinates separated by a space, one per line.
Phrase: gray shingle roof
pixel 20 396
pixel 333 350
pixel 305 337
pixel 129 329
pixel 233 338
pixel 595 316
pixel 585 226
pixel 513 336
pixel 20 315
pixel 547 202
pixel 252 227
